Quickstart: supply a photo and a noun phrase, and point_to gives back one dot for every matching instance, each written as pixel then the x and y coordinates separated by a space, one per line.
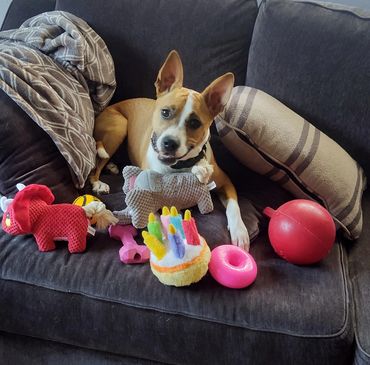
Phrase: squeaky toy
pixel 179 255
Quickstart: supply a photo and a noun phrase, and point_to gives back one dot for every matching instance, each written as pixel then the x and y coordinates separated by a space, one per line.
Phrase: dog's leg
pixel 228 196
pixel 112 168
pixel 98 186
pixel 110 131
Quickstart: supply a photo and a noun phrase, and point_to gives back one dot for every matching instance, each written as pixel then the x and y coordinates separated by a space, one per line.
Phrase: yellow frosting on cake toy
pixel 182 257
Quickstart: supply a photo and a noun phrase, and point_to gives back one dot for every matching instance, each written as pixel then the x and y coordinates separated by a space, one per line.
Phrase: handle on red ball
pixel 269 212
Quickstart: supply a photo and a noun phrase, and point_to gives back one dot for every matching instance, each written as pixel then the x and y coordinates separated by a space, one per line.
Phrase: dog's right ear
pixel 217 94
pixel 171 74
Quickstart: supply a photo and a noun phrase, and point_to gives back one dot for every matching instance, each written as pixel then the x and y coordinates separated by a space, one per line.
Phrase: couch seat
pixel 93 301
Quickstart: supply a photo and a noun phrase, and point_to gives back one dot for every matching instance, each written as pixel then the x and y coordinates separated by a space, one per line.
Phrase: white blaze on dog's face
pixel 182 117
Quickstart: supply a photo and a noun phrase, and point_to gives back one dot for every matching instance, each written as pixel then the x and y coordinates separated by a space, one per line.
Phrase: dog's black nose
pixel 170 144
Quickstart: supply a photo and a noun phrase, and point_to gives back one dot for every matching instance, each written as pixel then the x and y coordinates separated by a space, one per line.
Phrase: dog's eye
pixel 194 123
pixel 166 113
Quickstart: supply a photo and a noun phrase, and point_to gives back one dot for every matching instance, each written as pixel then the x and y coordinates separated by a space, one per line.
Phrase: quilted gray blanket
pixel 60 72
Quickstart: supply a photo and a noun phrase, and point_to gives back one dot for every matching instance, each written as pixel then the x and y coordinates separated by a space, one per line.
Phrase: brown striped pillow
pixel 269 138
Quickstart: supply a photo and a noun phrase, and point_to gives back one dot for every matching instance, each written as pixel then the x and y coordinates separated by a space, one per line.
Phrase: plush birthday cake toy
pixel 179 255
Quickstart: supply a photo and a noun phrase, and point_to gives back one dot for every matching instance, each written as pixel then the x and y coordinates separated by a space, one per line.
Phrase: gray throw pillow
pixel 271 139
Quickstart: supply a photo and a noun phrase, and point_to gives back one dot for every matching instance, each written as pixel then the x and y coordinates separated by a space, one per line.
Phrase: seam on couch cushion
pixel 215 320
pixel 360 353
pixel 358 12
pixel 145 361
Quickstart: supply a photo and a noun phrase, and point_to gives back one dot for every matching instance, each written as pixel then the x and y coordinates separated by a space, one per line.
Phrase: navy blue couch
pixel 57 308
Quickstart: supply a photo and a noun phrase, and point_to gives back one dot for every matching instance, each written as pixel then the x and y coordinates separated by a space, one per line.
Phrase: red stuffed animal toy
pixel 31 212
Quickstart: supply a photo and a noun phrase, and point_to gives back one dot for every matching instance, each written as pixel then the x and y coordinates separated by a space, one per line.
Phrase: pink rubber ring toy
pixel 232 267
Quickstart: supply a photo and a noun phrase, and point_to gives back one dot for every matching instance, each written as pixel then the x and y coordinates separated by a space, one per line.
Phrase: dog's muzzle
pixel 170 147
pixel 177 162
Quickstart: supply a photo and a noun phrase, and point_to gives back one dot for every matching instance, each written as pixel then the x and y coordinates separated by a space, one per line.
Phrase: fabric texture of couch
pixel 89 308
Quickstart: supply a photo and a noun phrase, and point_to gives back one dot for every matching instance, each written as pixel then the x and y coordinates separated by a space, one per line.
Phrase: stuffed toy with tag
pixel 32 212
pixel 147 191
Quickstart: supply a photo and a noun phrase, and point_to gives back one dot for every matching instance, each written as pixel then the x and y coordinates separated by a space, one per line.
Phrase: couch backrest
pixel 315 59
pixel 212 37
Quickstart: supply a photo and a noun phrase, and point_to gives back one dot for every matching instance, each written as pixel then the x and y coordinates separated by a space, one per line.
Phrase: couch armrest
pixel 359 271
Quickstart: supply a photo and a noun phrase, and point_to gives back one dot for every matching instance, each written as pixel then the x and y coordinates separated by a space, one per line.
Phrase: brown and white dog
pixel 171 134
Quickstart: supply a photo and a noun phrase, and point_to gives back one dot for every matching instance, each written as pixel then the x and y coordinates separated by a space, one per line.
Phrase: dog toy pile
pixel 179 255
pixel 147 191
pixel 32 212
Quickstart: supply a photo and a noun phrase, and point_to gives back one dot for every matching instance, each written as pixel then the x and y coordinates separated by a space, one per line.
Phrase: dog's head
pixel 182 117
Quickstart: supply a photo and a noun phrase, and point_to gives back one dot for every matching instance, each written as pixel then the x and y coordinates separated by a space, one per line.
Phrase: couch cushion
pixel 271 139
pixel 359 269
pixel 29 156
pixel 140 37
pixel 92 300
pixel 317 64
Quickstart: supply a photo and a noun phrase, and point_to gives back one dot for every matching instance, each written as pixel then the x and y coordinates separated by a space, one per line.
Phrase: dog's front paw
pixel 239 235
pixel 202 172
pixel 99 187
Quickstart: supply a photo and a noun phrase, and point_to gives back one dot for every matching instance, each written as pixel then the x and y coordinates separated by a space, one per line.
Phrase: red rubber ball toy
pixel 301 231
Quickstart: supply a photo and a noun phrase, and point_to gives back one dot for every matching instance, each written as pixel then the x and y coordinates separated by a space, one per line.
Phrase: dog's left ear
pixel 217 94
pixel 171 74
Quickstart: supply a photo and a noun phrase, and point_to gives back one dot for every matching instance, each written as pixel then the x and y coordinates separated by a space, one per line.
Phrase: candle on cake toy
pixel 179 255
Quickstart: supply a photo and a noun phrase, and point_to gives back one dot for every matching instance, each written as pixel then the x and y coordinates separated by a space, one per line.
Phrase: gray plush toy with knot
pixel 147 191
